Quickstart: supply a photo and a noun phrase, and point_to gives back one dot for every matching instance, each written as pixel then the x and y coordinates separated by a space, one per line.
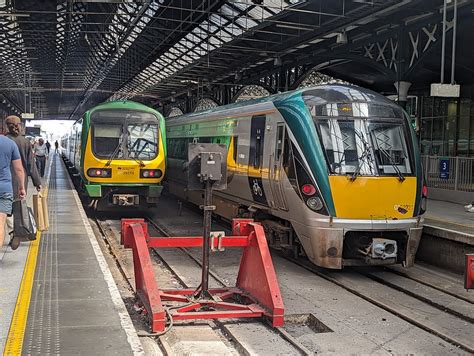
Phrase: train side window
pixel 279 142
pixel 288 162
pixel 235 145
pixel 257 133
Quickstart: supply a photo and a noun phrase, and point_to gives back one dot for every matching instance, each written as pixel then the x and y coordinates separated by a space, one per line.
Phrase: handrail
pixel 459 175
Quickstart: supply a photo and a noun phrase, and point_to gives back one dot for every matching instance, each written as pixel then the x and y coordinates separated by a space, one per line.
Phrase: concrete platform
pixel 70 303
pixel 448 234
pixel 450 221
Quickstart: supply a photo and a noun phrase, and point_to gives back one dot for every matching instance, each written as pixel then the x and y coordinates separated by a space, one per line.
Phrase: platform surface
pixel 12 264
pixel 449 220
pixel 72 307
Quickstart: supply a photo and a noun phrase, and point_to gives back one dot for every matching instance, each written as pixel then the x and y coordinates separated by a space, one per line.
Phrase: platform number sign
pixel 444 168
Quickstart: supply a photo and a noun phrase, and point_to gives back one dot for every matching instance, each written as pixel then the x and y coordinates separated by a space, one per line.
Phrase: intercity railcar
pixel 117 151
pixel 332 172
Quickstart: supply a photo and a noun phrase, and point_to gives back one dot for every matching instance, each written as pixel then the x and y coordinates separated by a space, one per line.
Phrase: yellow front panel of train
pixel 374 198
pixel 123 171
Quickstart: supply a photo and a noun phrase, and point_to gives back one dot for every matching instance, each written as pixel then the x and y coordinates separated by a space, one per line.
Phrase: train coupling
pixel 125 199
pixel 383 248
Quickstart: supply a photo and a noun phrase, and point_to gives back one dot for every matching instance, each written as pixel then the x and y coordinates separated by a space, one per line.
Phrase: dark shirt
pixel 28 161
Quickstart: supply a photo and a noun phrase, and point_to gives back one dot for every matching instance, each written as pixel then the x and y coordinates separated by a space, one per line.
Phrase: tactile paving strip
pixel 71 311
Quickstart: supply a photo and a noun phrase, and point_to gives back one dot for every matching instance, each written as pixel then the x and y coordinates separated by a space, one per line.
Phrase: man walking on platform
pixel 41 153
pixel 56 146
pixel 9 155
pixel 13 124
pixel 48 146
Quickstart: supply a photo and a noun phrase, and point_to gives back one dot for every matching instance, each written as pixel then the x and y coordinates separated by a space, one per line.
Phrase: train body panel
pixel 375 198
pixel 118 150
pixel 345 186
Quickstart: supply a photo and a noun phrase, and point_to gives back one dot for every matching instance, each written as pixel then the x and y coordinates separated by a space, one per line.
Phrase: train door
pixel 276 168
pixel 255 161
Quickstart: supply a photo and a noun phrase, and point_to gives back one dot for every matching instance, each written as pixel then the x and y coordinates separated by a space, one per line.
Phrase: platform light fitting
pixel 341 37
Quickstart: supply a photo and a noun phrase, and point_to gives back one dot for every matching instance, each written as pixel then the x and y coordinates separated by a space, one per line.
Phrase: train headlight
pixel 99 172
pixel 314 203
pixel 150 173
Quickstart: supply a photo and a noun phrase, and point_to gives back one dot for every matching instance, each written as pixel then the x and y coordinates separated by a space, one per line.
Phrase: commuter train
pixel 332 172
pixel 117 151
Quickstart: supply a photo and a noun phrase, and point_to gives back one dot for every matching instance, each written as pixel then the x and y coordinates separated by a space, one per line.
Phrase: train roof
pixel 327 93
pixel 123 104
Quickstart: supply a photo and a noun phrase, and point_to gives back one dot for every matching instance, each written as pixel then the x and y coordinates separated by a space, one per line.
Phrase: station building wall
pixel 447 124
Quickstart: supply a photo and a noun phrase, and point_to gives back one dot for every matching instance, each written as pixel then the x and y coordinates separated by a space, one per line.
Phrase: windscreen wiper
pixel 136 159
pixel 365 154
pixel 115 152
pixel 401 177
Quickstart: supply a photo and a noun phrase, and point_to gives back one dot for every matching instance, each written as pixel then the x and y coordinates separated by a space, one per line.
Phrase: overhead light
pixel 277 62
pixel 295 27
pixel 4 13
pixel 341 37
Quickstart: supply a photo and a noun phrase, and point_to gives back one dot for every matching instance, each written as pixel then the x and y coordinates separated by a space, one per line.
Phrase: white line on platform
pixel 125 319
pixel 449 230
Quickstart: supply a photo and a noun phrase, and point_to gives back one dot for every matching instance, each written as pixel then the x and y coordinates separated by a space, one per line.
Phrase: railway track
pixel 433 307
pixel 430 300
pixel 423 304
pixel 426 298
pixel 107 227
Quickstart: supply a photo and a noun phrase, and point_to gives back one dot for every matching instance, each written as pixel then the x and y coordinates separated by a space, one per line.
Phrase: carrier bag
pixel 24 225
pixel 44 203
pixel 40 207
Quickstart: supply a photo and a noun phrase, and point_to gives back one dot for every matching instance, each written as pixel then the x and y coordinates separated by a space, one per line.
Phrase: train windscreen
pixel 363 138
pixel 119 134
pixel 142 141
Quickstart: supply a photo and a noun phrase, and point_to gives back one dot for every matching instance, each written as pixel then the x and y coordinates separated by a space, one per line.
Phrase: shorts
pixel 6 203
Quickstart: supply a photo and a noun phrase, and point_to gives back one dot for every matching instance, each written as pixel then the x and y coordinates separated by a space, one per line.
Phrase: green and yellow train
pixel 332 170
pixel 117 152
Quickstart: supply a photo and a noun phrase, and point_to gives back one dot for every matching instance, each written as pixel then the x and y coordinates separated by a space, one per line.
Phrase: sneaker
pixel 14 242
pixel 468 207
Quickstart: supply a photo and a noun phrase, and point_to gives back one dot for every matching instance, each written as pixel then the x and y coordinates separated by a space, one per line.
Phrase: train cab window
pixel 142 141
pixel 390 147
pixel 107 140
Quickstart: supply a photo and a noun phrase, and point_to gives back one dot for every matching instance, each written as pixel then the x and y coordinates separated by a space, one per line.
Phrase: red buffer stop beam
pixel 256 293
pixel 469 272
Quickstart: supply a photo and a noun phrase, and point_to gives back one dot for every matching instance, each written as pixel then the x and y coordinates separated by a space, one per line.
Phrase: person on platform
pixel 56 146
pixel 9 155
pixel 41 153
pixel 469 207
pixel 48 146
pixel 13 124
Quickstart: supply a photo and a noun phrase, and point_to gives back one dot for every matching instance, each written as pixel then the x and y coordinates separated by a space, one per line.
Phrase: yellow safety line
pixel 16 333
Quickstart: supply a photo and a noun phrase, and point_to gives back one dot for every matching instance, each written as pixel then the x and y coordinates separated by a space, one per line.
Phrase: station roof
pixel 59 58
